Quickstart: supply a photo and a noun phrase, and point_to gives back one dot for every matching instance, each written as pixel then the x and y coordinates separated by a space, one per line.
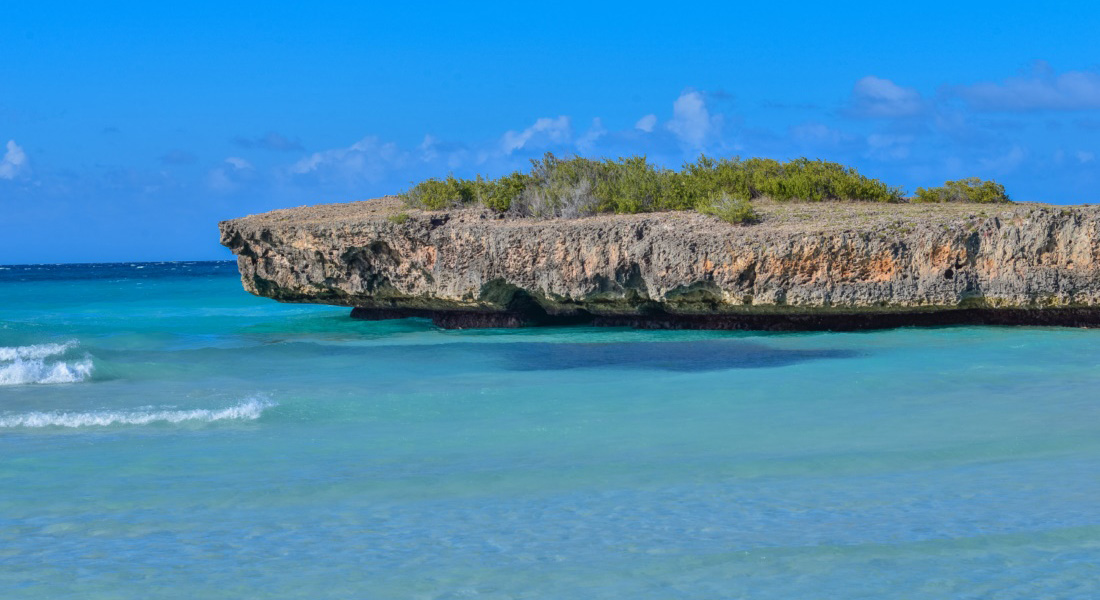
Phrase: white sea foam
pixel 249 410
pixel 35 351
pixel 21 372
pixel 39 363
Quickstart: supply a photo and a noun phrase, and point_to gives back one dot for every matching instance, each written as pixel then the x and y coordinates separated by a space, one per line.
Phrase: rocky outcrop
pixel 804 266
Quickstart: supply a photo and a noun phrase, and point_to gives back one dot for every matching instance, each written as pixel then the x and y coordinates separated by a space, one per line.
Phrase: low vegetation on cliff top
pixel 963 190
pixel 725 187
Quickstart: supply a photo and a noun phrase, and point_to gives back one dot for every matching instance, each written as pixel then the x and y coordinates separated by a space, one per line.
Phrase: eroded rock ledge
pixel 805 266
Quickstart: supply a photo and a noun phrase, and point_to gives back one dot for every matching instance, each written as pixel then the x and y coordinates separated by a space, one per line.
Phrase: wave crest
pixel 23 372
pixel 20 365
pixel 249 410
pixel 35 351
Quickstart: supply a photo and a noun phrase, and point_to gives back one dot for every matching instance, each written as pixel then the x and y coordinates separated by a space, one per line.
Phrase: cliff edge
pixel 803 266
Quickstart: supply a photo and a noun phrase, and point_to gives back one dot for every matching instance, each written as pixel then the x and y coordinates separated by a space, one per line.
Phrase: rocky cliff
pixel 804 266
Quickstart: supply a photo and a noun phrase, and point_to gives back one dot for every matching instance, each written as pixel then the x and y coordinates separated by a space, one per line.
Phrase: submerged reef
pixel 798 266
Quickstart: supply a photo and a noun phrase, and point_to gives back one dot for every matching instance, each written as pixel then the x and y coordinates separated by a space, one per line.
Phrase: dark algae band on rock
pixel 793 321
pixel 799 266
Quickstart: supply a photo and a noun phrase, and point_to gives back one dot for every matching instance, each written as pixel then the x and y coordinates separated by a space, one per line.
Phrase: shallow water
pixel 164 435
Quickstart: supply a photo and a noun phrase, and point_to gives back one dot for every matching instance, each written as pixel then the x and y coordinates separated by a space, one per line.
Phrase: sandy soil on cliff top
pixel 784 216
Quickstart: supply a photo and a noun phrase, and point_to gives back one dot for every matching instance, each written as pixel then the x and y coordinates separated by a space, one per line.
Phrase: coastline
pixel 804 266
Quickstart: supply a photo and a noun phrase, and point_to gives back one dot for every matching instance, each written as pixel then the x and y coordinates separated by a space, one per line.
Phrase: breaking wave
pixel 37 351
pixel 249 410
pixel 21 365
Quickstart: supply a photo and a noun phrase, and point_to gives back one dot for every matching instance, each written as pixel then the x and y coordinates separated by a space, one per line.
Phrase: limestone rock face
pixel 803 263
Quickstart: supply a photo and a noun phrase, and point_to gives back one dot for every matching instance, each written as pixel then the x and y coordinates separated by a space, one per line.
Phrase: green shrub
pixel 499 194
pixel 630 185
pixel 437 194
pixel 731 210
pixel 576 186
pixel 808 180
pixel 971 189
pixel 398 218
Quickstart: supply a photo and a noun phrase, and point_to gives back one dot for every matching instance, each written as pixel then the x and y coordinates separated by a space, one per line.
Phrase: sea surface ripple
pixel 163 434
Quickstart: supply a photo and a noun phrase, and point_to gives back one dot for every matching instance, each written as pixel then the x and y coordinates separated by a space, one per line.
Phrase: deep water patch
pixel 693 356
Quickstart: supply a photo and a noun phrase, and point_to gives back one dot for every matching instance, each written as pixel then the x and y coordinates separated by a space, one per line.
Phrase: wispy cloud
pixel 269 141
pixel 433 150
pixel 1041 89
pixel 429 148
pixel 369 159
pixel 238 163
pixel 14 162
pixel 230 175
pixel 544 132
pixel 587 142
pixel 900 132
pixel 875 97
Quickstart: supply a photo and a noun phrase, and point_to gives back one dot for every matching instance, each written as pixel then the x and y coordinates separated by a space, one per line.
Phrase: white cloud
pixel 545 131
pixel 368 159
pixel 14 162
pixel 691 121
pixel 1042 89
pixel 1085 157
pixel 588 141
pixel 432 150
pixel 881 98
pixel 238 164
pixel 428 148
pixel 646 123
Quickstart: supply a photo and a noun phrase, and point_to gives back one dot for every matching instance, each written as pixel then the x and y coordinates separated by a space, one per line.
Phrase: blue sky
pixel 127 130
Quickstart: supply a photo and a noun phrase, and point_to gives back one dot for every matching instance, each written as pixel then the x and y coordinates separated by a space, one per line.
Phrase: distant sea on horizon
pixel 164 434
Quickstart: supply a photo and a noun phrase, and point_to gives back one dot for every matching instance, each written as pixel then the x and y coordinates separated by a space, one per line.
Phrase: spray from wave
pixel 34 352
pixel 249 410
pixel 39 363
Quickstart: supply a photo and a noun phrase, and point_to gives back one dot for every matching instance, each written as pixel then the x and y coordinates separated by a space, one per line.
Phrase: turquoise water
pixel 165 435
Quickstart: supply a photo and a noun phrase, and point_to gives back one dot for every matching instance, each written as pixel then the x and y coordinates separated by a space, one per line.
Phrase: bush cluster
pixel 731 210
pixel 724 187
pixel 964 190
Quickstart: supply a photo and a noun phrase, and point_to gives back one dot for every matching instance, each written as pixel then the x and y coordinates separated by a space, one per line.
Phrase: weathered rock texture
pixel 804 266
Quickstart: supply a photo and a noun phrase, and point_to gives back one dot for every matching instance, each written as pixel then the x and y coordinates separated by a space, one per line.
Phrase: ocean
pixel 163 434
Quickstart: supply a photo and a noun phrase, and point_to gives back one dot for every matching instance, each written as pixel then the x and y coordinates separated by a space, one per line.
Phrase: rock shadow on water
pixel 696 356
